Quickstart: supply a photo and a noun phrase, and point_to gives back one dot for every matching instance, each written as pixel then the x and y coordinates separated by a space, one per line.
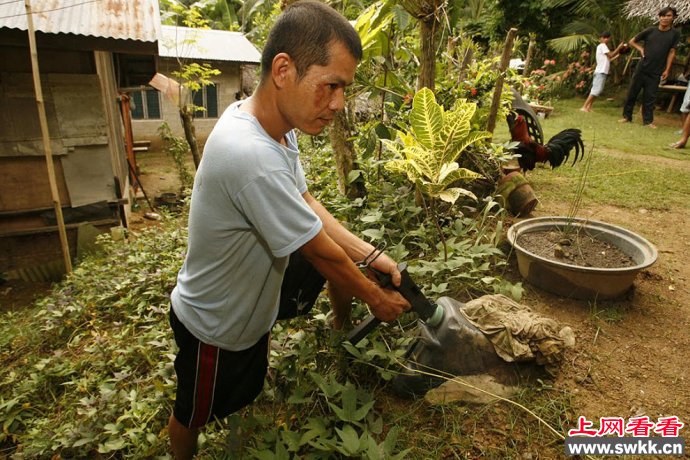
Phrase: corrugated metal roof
pixel 217 45
pixel 119 19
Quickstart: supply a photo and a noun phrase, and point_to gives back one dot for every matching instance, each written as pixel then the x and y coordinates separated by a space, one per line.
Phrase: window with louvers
pixel 153 104
pixel 145 105
pixel 206 97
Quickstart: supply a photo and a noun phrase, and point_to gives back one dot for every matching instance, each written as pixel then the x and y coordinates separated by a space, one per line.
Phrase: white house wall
pixel 229 89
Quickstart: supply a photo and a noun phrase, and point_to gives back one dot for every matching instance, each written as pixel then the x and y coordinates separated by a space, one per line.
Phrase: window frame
pixel 204 100
pixel 144 95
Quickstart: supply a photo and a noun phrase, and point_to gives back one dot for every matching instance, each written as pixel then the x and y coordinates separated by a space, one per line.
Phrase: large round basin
pixel 575 281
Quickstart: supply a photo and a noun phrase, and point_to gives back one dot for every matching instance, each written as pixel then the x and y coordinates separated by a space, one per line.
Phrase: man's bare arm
pixel 669 63
pixel 637 46
pixel 334 264
pixel 354 247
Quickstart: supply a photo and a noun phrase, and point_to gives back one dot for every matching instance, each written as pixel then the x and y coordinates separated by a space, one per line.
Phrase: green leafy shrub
pixel 427 153
pixel 178 149
pixel 552 80
pixel 98 376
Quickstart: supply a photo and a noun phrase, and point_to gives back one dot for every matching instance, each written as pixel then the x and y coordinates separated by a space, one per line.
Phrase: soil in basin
pixel 575 248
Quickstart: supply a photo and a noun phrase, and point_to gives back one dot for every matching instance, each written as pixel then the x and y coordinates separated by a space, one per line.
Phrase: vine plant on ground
pixel 90 372
pixel 91 369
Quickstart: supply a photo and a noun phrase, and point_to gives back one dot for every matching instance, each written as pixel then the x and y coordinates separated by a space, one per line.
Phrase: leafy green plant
pixel 555 80
pixel 427 153
pixel 177 148
pixel 477 84
pixel 390 214
pixel 349 428
pixel 58 399
pixel 99 377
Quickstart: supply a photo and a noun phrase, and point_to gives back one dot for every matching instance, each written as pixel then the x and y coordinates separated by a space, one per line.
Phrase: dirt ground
pixel 631 354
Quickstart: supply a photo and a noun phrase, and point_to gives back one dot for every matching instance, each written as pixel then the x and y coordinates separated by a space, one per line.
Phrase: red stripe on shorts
pixel 207 360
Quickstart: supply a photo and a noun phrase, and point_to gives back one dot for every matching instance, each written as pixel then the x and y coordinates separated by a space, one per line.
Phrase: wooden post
pixel 530 55
pixel 466 61
pixel 505 60
pixel 125 108
pixel 46 139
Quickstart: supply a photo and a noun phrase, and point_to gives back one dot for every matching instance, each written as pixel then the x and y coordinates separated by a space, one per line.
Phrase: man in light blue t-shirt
pixel 260 245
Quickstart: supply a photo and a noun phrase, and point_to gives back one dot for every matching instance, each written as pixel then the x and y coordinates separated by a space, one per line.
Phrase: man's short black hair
pixel 605 34
pixel 305 31
pixel 665 11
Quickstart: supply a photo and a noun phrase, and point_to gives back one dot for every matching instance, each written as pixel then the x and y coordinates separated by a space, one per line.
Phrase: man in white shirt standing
pixel 604 57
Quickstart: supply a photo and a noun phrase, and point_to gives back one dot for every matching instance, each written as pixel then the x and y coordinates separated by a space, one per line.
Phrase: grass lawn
pixel 632 166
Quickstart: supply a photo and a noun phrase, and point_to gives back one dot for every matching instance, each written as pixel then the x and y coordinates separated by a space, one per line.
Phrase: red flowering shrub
pixel 545 83
pixel 577 76
pixel 538 87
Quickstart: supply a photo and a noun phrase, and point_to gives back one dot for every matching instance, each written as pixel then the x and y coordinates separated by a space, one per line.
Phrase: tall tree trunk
pixel 345 156
pixel 190 134
pixel 426 12
pixel 427 68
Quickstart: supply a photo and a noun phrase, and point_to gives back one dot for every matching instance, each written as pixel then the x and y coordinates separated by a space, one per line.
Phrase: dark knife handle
pixel 425 309
pixel 370 322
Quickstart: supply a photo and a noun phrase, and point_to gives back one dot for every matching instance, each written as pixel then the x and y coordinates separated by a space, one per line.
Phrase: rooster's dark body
pixel 556 151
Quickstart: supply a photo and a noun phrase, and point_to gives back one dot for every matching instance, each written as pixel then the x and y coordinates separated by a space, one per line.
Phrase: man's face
pixel 667 19
pixel 310 103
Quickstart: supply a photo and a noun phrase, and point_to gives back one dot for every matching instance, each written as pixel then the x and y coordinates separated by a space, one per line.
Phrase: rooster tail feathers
pixel 579 148
pixel 560 145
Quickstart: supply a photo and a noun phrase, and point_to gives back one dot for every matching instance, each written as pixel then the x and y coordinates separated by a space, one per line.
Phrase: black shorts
pixel 301 286
pixel 213 382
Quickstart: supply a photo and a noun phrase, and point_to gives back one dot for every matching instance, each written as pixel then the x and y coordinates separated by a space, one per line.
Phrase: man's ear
pixel 281 68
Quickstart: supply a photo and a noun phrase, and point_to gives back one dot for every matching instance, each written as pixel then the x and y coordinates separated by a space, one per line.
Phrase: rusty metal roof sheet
pixel 217 45
pixel 118 19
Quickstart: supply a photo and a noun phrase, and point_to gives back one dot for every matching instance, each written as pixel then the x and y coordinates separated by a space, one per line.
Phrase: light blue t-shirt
pixel 247 216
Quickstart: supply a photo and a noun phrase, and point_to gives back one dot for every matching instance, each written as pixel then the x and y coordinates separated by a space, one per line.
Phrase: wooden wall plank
pixel 25 185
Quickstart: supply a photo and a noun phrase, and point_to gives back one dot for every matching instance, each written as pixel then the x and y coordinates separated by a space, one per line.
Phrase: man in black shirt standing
pixel 657 58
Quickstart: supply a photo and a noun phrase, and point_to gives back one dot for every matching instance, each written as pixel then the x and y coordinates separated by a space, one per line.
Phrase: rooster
pixel 531 151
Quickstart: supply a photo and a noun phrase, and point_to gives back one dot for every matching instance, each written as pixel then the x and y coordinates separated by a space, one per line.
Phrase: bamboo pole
pixel 46 139
pixel 505 60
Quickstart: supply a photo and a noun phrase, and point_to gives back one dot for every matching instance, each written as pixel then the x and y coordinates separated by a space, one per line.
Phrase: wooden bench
pixel 141 146
pixel 675 90
pixel 542 110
